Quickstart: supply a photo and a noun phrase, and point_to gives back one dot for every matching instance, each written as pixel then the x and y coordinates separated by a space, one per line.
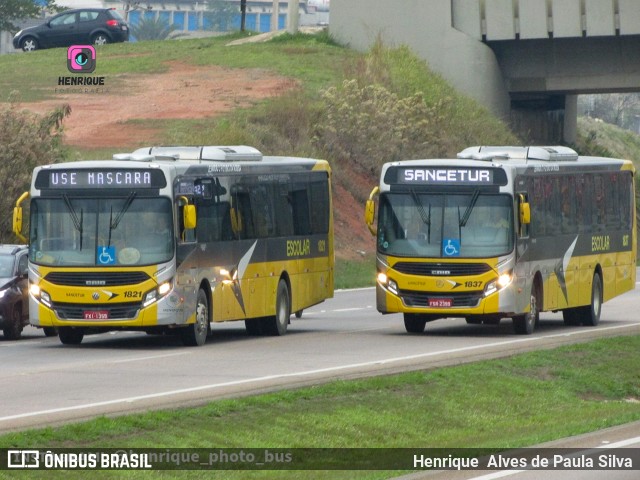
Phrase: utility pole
pixel 243 14
pixel 274 15
pixel 292 16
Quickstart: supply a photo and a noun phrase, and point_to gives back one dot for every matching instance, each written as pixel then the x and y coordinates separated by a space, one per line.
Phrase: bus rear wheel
pixel 590 314
pixel 195 335
pixel 526 324
pixel 277 324
pixel 70 335
pixel 414 323
pixel 254 326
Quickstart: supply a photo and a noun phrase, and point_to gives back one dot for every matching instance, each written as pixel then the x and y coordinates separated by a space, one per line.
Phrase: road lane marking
pixel 150 357
pixel 301 374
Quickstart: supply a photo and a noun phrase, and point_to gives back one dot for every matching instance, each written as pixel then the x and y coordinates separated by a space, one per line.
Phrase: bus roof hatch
pixel 549 154
pixel 211 153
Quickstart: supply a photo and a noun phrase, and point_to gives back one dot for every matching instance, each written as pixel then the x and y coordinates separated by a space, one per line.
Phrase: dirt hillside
pixel 98 120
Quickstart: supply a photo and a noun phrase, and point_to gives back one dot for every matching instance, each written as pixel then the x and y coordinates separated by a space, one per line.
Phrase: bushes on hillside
pixel 369 125
pixel 26 141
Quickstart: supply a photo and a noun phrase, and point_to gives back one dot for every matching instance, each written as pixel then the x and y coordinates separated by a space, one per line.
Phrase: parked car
pixel 81 26
pixel 14 300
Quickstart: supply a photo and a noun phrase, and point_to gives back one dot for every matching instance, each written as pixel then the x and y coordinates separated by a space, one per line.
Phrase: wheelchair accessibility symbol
pixel 451 247
pixel 106 255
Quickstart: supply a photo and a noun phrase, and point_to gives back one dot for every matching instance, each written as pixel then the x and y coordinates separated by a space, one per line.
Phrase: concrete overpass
pixel 525 60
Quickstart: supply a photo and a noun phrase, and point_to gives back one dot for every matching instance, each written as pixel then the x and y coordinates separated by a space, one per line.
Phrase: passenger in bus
pixel 162 229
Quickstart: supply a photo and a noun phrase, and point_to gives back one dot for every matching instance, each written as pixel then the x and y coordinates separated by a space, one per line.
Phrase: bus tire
pixel 70 335
pixel 195 334
pixel 590 314
pixel 571 316
pixel 526 324
pixel 277 324
pixel 254 326
pixel 414 323
pixel 50 331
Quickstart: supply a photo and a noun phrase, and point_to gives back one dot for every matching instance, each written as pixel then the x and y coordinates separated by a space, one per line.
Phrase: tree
pixel 154 29
pixel 13 10
pixel 621 109
pixel 220 15
pixel 26 141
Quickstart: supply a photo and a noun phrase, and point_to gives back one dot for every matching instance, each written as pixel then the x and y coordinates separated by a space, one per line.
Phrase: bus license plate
pixel 96 315
pixel 440 302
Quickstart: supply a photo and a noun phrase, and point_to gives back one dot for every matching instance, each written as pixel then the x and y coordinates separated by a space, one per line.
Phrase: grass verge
pixel 499 404
pixel 355 273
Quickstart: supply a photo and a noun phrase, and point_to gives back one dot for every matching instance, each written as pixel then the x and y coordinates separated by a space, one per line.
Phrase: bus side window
pixel 242 204
pixel 301 217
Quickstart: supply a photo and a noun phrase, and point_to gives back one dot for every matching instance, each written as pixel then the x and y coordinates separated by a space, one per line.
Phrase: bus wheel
pixel 571 316
pixel 70 335
pixel 50 331
pixel 414 323
pixel 525 324
pixel 277 324
pixel 195 335
pixel 590 314
pixel 254 326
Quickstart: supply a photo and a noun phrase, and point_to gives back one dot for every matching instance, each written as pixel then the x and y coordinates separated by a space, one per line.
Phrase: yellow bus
pixel 169 239
pixel 503 232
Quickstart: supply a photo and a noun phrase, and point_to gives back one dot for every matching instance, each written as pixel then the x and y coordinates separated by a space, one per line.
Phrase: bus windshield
pixel 417 224
pixel 81 231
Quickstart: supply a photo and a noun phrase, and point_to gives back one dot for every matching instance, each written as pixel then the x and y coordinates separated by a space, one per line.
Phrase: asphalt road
pixel 47 383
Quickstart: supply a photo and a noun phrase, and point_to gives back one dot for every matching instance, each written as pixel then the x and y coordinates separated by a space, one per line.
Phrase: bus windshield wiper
pixel 423 215
pixel 467 212
pixel 113 224
pixel 77 222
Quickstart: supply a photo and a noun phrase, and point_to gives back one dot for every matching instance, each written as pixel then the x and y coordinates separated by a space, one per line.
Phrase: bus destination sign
pixel 421 175
pixel 100 178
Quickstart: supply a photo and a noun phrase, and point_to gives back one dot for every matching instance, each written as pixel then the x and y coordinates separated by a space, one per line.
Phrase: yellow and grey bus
pixel 169 239
pixel 503 232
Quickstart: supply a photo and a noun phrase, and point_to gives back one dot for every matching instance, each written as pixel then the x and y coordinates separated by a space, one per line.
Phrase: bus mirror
pixel 17 217
pixel 525 213
pixel 17 223
pixel 369 214
pixel 370 210
pixel 189 216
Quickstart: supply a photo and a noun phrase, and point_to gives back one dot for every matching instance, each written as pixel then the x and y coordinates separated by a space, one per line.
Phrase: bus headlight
pixel 157 293
pixel 40 295
pixel 385 281
pixel 499 283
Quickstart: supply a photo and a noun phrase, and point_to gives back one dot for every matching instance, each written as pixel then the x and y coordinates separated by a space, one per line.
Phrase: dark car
pixel 14 295
pixel 81 26
pixel 14 300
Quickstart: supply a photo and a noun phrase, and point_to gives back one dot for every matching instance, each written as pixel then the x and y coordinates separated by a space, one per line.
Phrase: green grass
pixel 315 59
pixel 499 404
pixel 355 273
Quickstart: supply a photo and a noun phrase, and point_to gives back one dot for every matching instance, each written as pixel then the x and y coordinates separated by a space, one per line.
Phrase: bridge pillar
pixel 545 119
pixel 570 119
